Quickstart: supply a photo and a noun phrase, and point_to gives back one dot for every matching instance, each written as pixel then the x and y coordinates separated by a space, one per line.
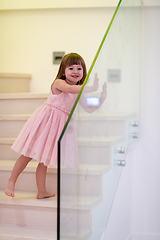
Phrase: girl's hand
pixel 95 83
pixel 94 87
pixel 104 93
pixel 103 96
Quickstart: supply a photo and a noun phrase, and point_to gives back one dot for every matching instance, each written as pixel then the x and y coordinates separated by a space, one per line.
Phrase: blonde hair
pixel 68 60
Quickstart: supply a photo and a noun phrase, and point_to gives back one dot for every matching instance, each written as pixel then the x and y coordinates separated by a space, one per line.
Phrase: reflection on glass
pixel 103 125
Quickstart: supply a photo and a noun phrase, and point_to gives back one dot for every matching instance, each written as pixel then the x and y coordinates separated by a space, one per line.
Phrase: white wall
pixel 119 225
pixel 138 194
pixel 146 179
pixel 28 38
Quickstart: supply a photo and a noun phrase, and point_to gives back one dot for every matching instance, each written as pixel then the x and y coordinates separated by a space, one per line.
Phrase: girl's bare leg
pixel 41 182
pixel 19 166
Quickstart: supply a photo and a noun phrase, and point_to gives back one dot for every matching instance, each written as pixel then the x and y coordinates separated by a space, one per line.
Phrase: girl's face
pixel 73 74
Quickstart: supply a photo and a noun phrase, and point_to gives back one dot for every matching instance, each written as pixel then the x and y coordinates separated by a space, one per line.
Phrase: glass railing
pixel 102 125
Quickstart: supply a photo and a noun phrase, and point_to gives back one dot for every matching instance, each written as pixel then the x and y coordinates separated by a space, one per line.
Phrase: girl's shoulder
pixel 55 86
pixel 60 85
pixel 57 82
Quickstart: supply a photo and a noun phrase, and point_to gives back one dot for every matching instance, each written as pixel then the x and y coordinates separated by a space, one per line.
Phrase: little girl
pixel 39 136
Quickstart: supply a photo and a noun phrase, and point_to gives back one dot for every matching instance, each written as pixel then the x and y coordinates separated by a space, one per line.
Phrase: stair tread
pixel 100 141
pixel 67 202
pixel 27 199
pixel 26 95
pixel 109 116
pixel 96 139
pixel 16 75
pixel 7 165
pixel 120 116
pixel 14 117
pixel 7 141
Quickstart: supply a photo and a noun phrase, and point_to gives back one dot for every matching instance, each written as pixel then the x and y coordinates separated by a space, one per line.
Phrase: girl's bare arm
pixel 60 85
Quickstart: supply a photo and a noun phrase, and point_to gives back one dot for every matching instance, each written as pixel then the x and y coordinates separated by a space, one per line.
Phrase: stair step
pixel 94 125
pixel 97 150
pixel 68 202
pixel 102 124
pixel 21 103
pixel 90 150
pixel 10 125
pixel 27 199
pixel 14 82
pixel 24 210
pixel 14 232
pixel 7 165
pixel 100 141
pixel 27 180
pixel 88 178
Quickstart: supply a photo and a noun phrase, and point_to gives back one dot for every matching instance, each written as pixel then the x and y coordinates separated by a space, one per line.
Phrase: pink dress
pixel 39 136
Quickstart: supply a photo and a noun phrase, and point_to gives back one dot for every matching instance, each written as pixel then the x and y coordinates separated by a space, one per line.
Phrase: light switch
pixel 57 56
pixel 114 75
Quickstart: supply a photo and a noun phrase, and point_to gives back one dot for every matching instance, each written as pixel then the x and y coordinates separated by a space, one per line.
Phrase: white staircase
pixel 25 217
pixel 14 82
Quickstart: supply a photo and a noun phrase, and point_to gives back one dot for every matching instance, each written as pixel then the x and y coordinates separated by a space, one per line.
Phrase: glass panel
pixel 97 136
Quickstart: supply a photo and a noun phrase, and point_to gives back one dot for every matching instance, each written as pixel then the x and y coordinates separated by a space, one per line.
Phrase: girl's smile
pixel 73 74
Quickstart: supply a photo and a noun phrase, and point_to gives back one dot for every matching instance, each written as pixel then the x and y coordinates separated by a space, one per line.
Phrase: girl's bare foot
pixel 9 191
pixel 45 195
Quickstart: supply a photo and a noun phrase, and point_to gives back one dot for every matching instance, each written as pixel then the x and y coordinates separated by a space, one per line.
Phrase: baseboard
pixel 137 236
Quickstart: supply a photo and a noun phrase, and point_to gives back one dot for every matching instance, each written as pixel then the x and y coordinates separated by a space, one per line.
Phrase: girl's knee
pixel 27 159
pixel 42 165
